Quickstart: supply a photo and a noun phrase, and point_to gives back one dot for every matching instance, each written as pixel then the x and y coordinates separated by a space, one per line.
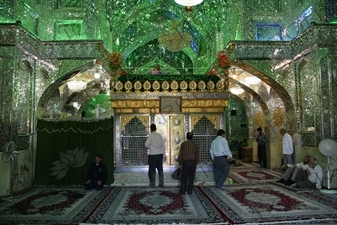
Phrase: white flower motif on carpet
pixel 155 206
pixel 268 202
pixel 253 175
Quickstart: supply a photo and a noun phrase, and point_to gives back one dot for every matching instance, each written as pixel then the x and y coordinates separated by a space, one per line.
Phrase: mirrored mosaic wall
pixel 288 44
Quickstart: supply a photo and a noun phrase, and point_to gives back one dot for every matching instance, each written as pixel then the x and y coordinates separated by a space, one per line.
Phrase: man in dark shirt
pixel 188 160
pixel 96 175
pixel 262 140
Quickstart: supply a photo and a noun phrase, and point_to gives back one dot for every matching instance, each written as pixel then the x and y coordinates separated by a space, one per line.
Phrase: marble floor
pixel 138 176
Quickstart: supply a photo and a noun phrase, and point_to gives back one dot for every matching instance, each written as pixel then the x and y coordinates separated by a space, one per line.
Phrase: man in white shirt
pixel 311 177
pixel 220 154
pixel 287 147
pixel 156 157
pixel 292 170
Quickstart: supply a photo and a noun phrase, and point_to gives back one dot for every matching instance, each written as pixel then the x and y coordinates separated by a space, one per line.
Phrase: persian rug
pixel 142 205
pixel 253 175
pixel 267 203
pixel 51 205
pixel 244 165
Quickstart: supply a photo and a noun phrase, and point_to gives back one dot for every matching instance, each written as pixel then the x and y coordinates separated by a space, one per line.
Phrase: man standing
pixel 96 175
pixel 287 147
pixel 156 157
pixel 220 154
pixel 311 177
pixel 188 160
pixel 262 140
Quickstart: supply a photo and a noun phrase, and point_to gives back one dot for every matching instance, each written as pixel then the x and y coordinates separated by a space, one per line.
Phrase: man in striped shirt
pixel 188 160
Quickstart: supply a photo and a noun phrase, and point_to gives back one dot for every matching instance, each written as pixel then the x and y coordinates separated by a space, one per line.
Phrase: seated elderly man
pixel 292 170
pixel 311 177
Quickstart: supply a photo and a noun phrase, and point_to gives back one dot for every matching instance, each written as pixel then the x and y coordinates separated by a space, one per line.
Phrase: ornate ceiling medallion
pixel 174 39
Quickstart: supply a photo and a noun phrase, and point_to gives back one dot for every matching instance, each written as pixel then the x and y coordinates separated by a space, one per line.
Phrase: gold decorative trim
pixel 220 86
pixel 174 86
pixel 126 119
pixel 192 85
pixel 119 86
pixel 177 136
pixel 144 120
pixel 210 86
pixel 259 119
pixel 204 103
pixel 165 86
pixel 202 110
pixel 147 85
pixel 183 86
pixel 118 104
pixel 128 86
pixel 156 85
pixel 202 85
pixel 138 110
pixel 153 105
pixel 278 117
pixel 214 119
pixel 138 86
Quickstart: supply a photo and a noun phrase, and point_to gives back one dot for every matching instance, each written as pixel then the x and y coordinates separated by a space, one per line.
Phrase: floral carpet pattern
pixel 155 206
pixel 245 203
pixel 253 175
pixel 263 203
pixel 50 205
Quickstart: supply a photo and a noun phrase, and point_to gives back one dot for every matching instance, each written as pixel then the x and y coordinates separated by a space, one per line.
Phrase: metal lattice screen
pixel 133 138
pixel 203 135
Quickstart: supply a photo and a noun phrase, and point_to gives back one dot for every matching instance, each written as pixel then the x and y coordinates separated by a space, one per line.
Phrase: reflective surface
pixel 285 69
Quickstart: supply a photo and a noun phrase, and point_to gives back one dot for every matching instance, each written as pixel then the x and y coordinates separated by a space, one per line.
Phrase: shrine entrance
pixel 173 128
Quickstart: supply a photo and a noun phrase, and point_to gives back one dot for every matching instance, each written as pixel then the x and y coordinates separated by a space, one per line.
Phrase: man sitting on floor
pixel 311 177
pixel 292 170
pixel 96 175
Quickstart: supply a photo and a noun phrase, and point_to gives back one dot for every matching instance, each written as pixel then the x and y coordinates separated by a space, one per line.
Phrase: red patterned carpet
pixel 243 175
pixel 262 203
pixel 51 205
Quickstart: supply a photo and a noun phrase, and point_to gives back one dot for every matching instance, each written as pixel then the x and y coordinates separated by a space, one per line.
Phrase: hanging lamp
pixel 188 3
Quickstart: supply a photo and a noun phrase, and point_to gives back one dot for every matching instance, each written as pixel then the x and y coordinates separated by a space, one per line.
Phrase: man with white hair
pixel 292 170
pixel 311 177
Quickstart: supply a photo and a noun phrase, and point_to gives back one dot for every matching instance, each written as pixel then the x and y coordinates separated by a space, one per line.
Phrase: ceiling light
pixel 77 85
pixel 97 75
pixel 236 90
pixel 188 2
pixel 252 80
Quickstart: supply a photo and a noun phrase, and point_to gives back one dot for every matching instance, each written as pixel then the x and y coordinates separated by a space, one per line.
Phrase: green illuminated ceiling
pixel 144 22
pixel 133 27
